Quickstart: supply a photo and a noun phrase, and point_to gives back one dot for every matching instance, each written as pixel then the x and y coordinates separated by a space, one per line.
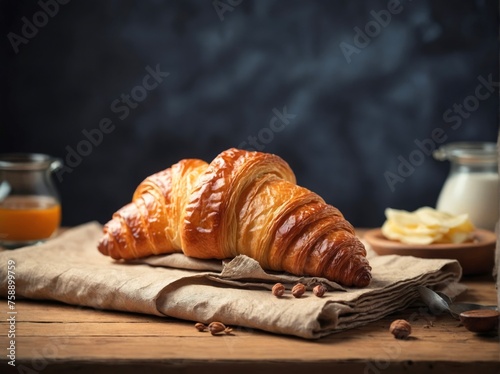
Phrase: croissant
pixel 241 203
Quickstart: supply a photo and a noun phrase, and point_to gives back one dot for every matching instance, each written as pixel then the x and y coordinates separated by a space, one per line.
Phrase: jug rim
pixel 28 161
pixel 468 152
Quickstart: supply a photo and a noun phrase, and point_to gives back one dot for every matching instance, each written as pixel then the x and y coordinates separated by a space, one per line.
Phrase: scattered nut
pixel 278 290
pixel 218 327
pixel 298 290
pixel 319 290
pixel 400 328
pixel 200 327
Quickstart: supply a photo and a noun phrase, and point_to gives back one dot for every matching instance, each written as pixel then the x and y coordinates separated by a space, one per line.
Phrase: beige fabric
pixel 236 292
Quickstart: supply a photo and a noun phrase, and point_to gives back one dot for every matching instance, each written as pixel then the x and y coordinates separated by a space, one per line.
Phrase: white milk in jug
pixel 476 194
pixel 472 185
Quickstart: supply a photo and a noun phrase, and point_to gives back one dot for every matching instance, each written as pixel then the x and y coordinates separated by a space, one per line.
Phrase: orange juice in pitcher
pixel 30 211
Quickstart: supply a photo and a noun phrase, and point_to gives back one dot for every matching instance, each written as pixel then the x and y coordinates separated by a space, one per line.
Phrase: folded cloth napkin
pixel 69 268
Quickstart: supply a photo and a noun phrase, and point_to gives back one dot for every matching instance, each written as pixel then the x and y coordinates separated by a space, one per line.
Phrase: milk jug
pixel 472 185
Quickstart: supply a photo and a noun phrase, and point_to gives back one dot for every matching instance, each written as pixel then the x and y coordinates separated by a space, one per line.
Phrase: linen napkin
pixel 70 269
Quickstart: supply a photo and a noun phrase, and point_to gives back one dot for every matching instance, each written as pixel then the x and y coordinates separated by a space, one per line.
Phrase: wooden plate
pixel 476 257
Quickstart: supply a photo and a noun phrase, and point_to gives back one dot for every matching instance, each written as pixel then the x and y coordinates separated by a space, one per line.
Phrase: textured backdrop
pixel 353 94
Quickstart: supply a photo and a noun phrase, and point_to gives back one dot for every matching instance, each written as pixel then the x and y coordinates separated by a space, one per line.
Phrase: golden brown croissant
pixel 241 203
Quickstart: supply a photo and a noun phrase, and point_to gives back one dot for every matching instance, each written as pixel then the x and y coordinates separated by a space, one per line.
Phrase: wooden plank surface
pixel 53 336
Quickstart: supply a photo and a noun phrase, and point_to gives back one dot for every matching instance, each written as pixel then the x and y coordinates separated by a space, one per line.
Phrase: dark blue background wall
pixel 357 84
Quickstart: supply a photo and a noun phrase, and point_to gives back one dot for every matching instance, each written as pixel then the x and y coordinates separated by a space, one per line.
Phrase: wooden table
pixel 56 338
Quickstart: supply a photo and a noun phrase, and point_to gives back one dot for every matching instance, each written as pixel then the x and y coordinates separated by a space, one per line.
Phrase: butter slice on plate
pixel 426 226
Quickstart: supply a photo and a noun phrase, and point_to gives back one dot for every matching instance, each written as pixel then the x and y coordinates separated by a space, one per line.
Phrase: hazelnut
pixel 278 290
pixel 200 327
pixel 319 290
pixel 400 328
pixel 218 327
pixel 298 290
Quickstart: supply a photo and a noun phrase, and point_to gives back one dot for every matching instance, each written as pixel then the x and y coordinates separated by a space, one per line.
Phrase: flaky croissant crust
pixel 241 203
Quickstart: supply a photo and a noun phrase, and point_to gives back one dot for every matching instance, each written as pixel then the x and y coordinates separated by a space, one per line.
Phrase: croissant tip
pixel 363 279
pixel 101 245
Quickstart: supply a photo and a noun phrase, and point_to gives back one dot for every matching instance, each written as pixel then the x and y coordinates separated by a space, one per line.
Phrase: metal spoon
pixel 436 303
pixel 439 304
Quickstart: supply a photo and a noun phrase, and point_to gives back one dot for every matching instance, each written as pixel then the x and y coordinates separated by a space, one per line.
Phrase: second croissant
pixel 241 203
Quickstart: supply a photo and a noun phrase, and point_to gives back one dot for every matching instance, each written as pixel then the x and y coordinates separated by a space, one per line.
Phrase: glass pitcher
pixel 472 185
pixel 30 209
